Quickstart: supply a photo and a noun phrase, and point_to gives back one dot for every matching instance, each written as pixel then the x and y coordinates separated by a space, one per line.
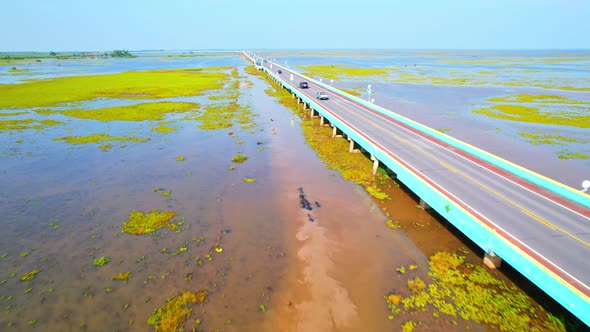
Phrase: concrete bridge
pixel 539 226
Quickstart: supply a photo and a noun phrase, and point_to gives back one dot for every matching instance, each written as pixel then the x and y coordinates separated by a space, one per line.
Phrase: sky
pixel 104 25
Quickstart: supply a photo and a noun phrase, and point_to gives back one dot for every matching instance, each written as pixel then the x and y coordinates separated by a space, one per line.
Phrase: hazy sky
pixel 59 25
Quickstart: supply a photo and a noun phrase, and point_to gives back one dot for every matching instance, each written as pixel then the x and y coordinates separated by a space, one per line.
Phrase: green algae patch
pixel 540 99
pixel 144 223
pixel 572 155
pixel 99 138
pixel 338 72
pixel 13 113
pixel 239 158
pixel 249 180
pixel 123 276
pixel 155 111
pixel 533 115
pixel 30 276
pixel 163 128
pixel 538 138
pixel 461 290
pixel 180 158
pixel 127 85
pixel 176 311
pixel 27 124
pixel 101 261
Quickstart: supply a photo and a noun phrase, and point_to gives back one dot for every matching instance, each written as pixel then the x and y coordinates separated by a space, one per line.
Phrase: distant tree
pixel 52 53
pixel 121 54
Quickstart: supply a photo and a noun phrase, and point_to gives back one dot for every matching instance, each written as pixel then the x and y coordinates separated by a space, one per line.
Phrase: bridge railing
pixel 538 179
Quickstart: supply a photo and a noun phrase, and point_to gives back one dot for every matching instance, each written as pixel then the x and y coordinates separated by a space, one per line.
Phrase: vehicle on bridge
pixel 303 85
pixel 322 95
pixel 279 71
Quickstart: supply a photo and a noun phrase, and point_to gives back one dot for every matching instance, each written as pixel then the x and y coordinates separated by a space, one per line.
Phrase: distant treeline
pixel 66 55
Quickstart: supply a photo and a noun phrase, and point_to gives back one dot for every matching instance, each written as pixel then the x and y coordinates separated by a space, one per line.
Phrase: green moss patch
pixel 99 138
pixel 176 311
pixel 101 261
pixel 123 276
pixel 468 291
pixel 543 138
pixel 128 85
pixel 533 115
pixel 144 223
pixel 139 112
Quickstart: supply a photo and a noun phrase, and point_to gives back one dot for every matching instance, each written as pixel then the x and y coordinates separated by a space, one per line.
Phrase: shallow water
pixel 329 274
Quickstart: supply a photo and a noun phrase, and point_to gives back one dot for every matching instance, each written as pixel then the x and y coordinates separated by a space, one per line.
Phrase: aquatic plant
pixel 30 276
pixel 176 311
pixel 101 261
pixel 180 158
pixel 337 72
pixel 99 138
pixel 239 158
pixel 376 192
pixel 162 192
pixel 123 276
pixel 391 224
pixel 459 289
pixel 533 115
pixel 408 326
pixel 148 84
pixel 145 223
pixel 249 180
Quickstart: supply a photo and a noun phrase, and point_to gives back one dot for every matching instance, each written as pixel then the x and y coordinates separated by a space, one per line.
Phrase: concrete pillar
pixel 375 164
pixel 492 261
pixel 335 132
pixel 321 120
pixel 292 96
pixel 351 148
pixel 424 205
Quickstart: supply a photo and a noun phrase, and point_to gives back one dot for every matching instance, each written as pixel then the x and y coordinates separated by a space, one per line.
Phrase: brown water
pixel 64 207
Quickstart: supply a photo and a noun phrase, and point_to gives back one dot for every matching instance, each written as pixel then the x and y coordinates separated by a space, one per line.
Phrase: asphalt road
pixel 554 230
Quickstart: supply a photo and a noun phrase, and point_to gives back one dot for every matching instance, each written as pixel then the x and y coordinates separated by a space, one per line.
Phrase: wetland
pixel 184 191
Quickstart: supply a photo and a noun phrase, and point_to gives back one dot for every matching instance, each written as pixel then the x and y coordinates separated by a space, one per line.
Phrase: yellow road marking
pixel 449 167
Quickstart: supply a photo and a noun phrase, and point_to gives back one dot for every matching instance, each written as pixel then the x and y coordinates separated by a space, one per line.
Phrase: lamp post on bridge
pixel 369 91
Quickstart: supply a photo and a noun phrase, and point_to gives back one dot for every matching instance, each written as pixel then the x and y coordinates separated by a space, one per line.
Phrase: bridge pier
pixel 351 148
pixel 321 120
pixel 335 132
pixel 424 205
pixel 491 260
pixel 375 164
pixel 292 95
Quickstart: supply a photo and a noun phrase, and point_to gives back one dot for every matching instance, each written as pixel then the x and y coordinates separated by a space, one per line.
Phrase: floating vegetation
pixel 99 138
pixel 262 308
pixel 540 99
pixel 148 84
pixel 572 155
pixel 339 72
pixel 145 223
pixel 26 124
pixel 123 276
pixel 219 250
pixel 162 128
pixel 30 276
pixel 392 224
pixel 154 111
pixel 459 289
pixel 176 311
pixel 24 254
pixel 101 261
pixel 543 138
pixel 239 158
pixel 180 158
pixel 376 192
pixel 533 115
pixel 249 180
pixel 162 192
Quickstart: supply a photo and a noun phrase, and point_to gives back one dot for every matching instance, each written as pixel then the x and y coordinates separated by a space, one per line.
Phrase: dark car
pixel 279 71
pixel 303 85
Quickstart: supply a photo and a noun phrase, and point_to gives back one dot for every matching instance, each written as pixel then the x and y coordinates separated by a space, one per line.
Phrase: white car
pixel 321 95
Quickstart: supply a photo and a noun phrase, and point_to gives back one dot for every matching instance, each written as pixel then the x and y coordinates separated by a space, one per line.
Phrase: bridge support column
pixel 351 148
pixel 321 121
pixel 492 261
pixel 335 132
pixel 424 205
pixel 375 164
pixel 292 96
